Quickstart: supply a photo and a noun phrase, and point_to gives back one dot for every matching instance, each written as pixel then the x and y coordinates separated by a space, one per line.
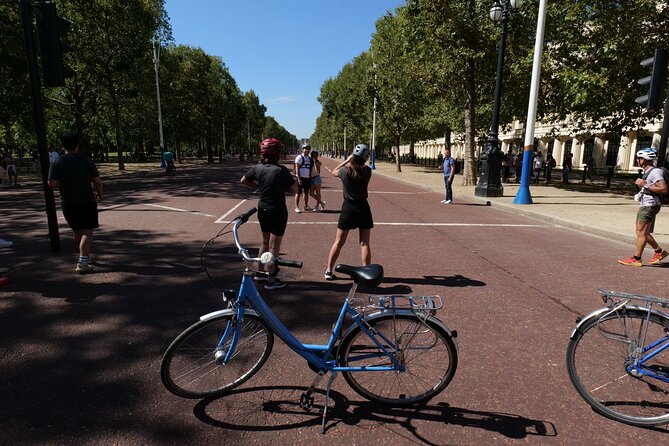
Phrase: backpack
pixel 456 166
pixel 304 163
pixel 664 198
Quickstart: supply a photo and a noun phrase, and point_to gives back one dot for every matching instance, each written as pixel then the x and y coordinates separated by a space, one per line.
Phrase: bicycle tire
pixel 428 343
pixel 189 368
pixel 597 369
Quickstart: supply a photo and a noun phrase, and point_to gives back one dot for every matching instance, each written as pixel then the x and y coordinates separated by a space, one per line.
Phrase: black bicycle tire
pixel 179 390
pixel 430 323
pixel 594 403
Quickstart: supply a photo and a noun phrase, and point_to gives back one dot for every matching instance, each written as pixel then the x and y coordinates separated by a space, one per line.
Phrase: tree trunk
pixel 469 177
pixel 398 163
pixel 412 153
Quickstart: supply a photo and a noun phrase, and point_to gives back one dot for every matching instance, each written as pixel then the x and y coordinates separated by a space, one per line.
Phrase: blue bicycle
pixel 395 351
pixel 618 359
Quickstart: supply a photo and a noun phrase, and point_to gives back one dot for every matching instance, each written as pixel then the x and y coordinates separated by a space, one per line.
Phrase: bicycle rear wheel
pixel 192 368
pixel 597 367
pixel 424 348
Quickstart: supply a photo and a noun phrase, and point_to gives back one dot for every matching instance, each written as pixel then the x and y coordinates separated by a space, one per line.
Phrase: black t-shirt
pixel 273 183
pixel 354 191
pixel 74 173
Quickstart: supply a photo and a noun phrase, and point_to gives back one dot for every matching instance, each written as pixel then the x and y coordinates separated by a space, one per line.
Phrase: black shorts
pixel 306 186
pixel 81 215
pixel 273 221
pixel 355 214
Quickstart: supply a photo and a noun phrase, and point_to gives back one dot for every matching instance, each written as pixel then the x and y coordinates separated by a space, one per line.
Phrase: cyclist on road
pixel 652 185
pixel 355 211
pixel 168 157
pixel 273 181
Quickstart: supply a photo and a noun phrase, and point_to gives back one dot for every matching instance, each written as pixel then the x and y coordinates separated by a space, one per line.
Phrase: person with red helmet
pixel 273 181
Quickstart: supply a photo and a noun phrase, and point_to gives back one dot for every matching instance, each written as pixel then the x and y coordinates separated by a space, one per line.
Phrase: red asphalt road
pixel 81 354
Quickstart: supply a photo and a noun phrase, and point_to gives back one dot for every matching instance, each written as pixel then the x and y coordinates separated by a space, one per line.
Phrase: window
pixel 567 149
pixel 644 142
pixel 549 147
pixel 612 152
pixel 589 149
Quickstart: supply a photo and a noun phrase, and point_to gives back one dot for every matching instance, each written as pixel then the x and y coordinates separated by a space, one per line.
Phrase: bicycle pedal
pixel 306 402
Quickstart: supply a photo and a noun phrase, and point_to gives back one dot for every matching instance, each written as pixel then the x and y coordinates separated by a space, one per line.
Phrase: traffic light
pixel 51 29
pixel 653 101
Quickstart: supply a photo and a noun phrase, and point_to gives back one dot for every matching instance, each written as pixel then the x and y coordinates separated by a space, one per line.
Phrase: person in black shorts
pixel 273 181
pixel 72 175
pixel 303 164
pixel 355 211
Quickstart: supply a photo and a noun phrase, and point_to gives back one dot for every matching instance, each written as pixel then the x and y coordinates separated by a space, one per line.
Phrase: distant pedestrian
pixel 550 165
pixel 316 181
pixel 566 167
pixel 652 185
pixel 273 181
pixel 72 175
pixel 506 165
pixel 12 169
pixel 53 156
pixel 449 174
pixel 303 165
pixel 355 212
pixel 518 165
pixel 537 166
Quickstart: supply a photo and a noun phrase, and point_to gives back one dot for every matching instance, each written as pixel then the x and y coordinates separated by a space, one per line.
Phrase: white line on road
pixel 477 225
pixel 177 209
pixel 230 212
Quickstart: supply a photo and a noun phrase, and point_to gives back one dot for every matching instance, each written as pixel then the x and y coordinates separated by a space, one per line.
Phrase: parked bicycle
pixel 395 351
pixel 618 360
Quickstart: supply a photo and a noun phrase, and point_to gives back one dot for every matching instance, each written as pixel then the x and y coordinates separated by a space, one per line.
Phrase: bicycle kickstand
pixel 306 400
pixel 333 376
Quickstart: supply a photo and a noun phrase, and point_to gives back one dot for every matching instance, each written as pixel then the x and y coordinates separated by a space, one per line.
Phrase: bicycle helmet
pixel 270 147
pixel 306 145
pixel 362 151
pixel 647 154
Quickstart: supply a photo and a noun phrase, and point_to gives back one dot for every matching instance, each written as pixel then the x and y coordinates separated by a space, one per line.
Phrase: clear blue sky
pixel 282 49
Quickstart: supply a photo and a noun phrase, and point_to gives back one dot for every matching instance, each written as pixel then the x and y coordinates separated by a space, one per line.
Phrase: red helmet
pixel 271 147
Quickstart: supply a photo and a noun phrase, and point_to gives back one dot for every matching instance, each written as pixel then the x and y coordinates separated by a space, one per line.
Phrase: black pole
pixel 38 111
pixel 490 184
pixel 662 155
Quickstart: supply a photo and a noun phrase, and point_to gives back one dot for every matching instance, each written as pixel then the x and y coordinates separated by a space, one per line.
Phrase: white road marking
pixel 230 212
pixel 177 209
pixel 477 225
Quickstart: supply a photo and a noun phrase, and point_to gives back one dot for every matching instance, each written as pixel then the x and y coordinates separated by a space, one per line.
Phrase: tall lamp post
pixel 490 184
pixel 156 65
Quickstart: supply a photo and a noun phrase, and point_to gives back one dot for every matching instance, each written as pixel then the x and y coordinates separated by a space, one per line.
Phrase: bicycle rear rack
pixel 610 295
pixel 424 305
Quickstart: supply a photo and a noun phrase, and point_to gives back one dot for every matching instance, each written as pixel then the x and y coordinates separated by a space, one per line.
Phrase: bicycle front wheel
pixel 192 365
pixel 597 359
pixel 424 348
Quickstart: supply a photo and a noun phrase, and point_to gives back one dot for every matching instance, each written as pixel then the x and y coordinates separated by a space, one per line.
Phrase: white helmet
pixel 647 154
pixel 362 151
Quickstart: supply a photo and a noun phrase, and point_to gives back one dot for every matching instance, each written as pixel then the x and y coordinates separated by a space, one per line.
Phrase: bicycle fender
pixel 601 311
pixel 452 333
pixel 227 311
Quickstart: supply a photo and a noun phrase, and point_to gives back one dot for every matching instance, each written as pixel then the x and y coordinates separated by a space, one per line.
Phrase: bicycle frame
pixel 318 355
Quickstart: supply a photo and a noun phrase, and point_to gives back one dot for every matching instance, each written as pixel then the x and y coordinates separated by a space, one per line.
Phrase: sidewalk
pixel 588 208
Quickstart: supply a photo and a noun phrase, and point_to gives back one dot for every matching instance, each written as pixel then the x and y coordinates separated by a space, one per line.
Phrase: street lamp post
pixel 156 64
pixel 490 184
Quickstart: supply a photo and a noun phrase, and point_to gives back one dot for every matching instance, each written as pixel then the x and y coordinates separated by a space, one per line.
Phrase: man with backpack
pixel 303 164
pixel 653 189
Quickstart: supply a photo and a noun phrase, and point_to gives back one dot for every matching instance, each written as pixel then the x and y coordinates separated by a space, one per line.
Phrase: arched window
pixel 567 149
pixel 644 142
pixel 588 150
pixel 612 151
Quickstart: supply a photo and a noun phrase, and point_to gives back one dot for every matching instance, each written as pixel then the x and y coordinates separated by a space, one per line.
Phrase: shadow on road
pixel 277 408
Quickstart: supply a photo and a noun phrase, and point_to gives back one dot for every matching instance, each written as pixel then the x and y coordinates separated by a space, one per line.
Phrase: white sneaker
pixel 443 201
pixel 5 243
pixel 447 202
pixel 298 210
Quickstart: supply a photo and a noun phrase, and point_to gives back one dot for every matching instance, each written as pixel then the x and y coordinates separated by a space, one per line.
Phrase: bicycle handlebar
pixel 240 220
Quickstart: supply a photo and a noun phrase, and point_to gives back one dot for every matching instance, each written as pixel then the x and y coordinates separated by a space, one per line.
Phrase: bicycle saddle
pixel 370 275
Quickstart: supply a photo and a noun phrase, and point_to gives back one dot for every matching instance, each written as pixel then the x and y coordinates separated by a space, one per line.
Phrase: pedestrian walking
pixel 550 165
pixel 355 212
pixel 652 185
pixel 518 165
pixel 316 181
pixel 303 165
pixel 537 165
pixel 273 181
pixel 449 174
pixel 566 167
pixel 72 175
pixel 12 169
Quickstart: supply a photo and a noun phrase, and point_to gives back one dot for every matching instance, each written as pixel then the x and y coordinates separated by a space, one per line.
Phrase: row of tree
pixel 431 67
pixel 111 101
